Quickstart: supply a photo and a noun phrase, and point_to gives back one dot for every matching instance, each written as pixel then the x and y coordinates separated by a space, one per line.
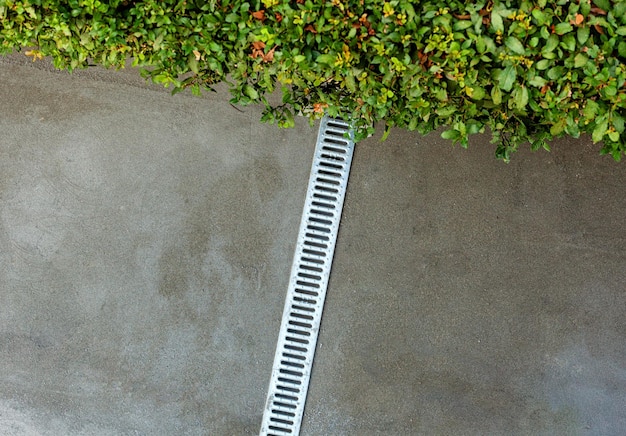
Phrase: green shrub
pixel 527 70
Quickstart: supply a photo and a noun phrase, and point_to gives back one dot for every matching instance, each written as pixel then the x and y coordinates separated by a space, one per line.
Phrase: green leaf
pixel 537 81
pixel 569 42
pixel 386 132
pixel 515 45
pixel 582 34
pixel 506 78
pixel 551 44
pixel 590 111
pixel 563 28
pixel 496 21
pixel 539 16
pixel 462 25
pixel 451 134
pixel 542 64
pixel 599 131
pixel 250 92
pixel 605 5
pixel 193 64
pixel 326 59
pixel 558 127
pixel 496 95
pixel 580 60
pixel 520 97
pixel 614 136
pixel 478 93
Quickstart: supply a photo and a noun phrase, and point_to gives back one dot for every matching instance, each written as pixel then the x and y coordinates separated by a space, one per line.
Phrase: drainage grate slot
pixel 325 197
pixel 311 260
pixel 281 421
pixel 304 300
pixel 331 134
pixel 333 157
pixel 328 206
pixel 318 228
pixel 337 124
pixel 309 279
pixel 298 340
pixel 328 181
pixel 331 165
pixel 286 397
pixel 320 221
pixel 305 325
pixel 302 308
pixel 283 412
pixel 289 381
pixel 295 365
pixel 329 174
pixel 293 356
pixel 289 372
pixel 326 189
pixel 311 268
pixel 322 212
pixel 294 348
pixel 301 315
pixel 313 252
pixel 316 236
pixel 336 141
pixel 281 429
pixel 288 389
pixel 306 284
pixel 309 276
pixel 285 405
pixel 332 148
pixel 299 332
pixel 315 244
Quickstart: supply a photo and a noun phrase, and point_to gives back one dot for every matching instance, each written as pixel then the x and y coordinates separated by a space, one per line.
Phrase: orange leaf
pixel 259 15
pixel 318 108
pixel 258 45
pixel 577 21
pixel 310 28
pixel 269 56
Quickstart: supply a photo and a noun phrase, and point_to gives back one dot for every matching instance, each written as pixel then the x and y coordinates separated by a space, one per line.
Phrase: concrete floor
pixel 147 241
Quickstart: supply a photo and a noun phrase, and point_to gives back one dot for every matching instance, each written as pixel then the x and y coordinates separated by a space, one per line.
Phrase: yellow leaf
pixel 35 54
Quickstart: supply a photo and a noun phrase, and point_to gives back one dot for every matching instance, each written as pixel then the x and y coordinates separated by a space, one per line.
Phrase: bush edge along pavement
pixel 529 71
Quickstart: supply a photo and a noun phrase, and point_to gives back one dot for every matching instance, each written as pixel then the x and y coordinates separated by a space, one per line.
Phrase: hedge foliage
pixel 527 70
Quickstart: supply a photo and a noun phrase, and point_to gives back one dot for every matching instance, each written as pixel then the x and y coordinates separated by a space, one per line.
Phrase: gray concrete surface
pixel 147 241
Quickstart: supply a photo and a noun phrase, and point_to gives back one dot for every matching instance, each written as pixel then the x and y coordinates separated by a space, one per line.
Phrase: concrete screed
pixel 147 241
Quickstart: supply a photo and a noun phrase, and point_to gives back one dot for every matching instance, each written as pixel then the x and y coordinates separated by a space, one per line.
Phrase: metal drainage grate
pixel 309 279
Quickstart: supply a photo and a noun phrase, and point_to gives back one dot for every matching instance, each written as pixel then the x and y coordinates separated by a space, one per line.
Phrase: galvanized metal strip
pixel 310 272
